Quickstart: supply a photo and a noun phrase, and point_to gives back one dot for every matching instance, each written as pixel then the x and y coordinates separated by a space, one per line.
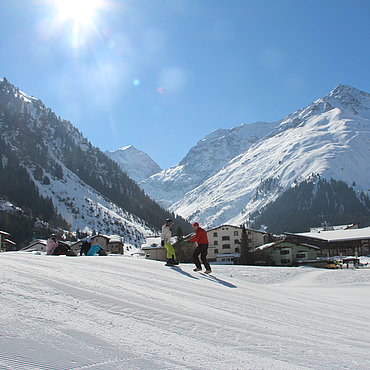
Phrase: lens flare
pixel 80 12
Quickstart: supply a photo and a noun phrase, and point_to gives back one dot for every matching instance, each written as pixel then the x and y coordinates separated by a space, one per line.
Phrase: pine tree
pixel 246 256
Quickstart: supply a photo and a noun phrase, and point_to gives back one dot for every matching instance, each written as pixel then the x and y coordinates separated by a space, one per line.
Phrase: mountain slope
pixel 86 187
pixel 314 202
pixel 137 164
pixel 203 161
pixel 330 137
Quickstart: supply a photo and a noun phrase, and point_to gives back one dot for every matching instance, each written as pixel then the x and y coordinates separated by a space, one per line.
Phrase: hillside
pixel 122 313
pixel 329 138
pixel 75 180
pixel 137 164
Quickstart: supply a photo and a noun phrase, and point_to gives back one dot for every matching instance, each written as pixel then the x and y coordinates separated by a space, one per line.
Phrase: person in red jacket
pixel 202 248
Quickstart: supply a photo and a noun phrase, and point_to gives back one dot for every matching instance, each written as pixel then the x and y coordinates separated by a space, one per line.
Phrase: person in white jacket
pixel 166 242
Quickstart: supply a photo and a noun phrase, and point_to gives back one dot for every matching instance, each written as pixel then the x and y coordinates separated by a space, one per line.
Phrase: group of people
pixel 200 238
pixel 201 249
pixel 53 247
pixel 57 248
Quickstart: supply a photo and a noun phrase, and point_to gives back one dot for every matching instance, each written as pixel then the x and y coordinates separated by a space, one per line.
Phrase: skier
pixel 202 248
pixel 166 242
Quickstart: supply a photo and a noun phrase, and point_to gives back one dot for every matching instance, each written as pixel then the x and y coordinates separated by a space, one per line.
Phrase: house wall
pixel 158 253
pixel 100 240
pixel 223 240
pixel 115 248
pixel 287 253
pixel 226 240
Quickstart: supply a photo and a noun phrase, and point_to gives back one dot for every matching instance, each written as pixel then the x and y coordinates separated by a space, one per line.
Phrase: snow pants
pixel 202 250
pixel 170 250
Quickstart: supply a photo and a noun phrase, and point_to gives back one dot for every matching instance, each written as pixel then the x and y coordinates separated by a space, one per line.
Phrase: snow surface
pixel 117 312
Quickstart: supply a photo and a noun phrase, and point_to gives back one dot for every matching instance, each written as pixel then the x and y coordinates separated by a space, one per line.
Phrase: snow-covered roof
pixel 264 246
pixel 272 244
pixel 335 227
pixel 338 235
pixel 115 239
pixel 152 242
pixel 9 241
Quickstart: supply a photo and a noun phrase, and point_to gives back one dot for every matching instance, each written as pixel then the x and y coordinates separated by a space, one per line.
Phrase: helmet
pixel 195 224
pixel 169 221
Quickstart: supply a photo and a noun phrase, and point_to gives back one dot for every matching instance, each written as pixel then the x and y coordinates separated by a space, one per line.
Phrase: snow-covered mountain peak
pixel 348 97
pixel 343 98
pixel 137 164
pixel 205 159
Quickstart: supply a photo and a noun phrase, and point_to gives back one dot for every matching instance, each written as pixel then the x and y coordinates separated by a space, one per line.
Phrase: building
pixel 36 245
pixel 112 244
pixel 115 245
pixel 224 242
pixel 153 249
pixel 335 242
pixel 285 253
pixel 3 241
pixel 223 248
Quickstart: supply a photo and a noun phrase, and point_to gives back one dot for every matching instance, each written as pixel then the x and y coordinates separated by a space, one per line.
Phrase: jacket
pixel 200 236
pixel 51 244
pixel 166 234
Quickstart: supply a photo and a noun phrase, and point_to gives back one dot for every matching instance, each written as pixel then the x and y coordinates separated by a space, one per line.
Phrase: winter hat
pixel 195 224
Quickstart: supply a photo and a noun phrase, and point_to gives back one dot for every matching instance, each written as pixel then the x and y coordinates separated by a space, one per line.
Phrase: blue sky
pixel 162 74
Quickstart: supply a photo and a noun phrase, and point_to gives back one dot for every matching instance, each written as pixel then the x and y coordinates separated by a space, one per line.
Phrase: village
pixel 327 246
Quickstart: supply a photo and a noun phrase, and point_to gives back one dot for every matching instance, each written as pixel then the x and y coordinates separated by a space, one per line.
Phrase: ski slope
pixel 119 312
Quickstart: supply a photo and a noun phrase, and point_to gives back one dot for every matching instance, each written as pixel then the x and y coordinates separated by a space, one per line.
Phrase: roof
pixel 337 235
pixel 335 227
pixel 269 245
pixel 9 241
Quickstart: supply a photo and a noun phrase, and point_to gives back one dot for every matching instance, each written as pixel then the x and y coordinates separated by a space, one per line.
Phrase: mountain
pixel 49 168
pixel 137 164
pixel 203 161
pixel 329 138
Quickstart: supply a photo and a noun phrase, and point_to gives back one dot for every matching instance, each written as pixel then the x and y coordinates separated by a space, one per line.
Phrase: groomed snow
pixel 119 312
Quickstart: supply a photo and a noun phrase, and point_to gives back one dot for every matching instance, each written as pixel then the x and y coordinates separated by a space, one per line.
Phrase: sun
pixel 79 12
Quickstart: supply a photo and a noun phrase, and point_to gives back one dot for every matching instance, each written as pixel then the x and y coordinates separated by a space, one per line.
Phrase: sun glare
pixel 80 12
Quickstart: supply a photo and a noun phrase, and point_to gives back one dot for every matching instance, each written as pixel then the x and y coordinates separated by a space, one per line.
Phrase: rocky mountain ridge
pixel 330 138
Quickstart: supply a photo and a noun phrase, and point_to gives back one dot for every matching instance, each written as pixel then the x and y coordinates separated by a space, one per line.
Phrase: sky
pixel 162 74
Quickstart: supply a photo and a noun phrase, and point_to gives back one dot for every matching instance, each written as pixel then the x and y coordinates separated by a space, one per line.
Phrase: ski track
pixel 124 313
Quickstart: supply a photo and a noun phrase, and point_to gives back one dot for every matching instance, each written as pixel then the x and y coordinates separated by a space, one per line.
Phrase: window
pixel 215 235
pixel 237 241
pixel 236 233
pixel 216 250
pixel 236 250
pixel 215 242
pixel 226 238
pixel 285 260
pixel 226 246
pixel 301 255
pixel 285 251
